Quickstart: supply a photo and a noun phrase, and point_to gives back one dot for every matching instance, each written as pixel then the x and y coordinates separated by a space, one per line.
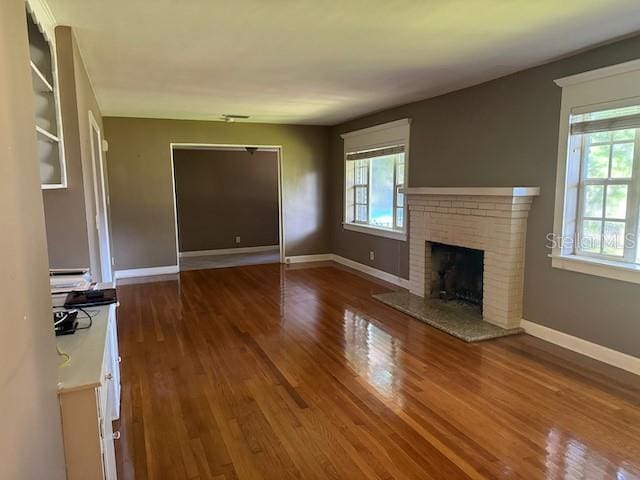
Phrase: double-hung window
pixel 598 196
pixel 375 173
pixel 607 144
pixel 378 176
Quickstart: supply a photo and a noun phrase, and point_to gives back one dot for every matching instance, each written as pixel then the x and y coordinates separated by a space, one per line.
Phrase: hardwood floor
pixel 272 372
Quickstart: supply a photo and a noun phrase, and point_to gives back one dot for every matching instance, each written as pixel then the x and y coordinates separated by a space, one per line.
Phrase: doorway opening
pixel 227 205
pixel 101 197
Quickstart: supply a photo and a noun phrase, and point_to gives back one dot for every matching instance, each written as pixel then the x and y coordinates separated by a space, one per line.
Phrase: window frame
pixel 606 88
pixel 373 138
pixel 632 208
pixel 366 186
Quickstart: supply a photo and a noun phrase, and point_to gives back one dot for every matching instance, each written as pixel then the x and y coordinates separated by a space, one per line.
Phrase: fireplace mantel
pixel 474 191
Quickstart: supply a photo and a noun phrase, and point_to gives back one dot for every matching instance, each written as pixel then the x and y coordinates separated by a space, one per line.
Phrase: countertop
pixel 86 350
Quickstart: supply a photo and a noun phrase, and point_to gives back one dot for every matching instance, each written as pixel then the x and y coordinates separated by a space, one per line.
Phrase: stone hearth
pixel 493 220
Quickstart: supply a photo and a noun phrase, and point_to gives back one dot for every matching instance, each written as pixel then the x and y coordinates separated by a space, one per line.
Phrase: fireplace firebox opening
pixel 456 273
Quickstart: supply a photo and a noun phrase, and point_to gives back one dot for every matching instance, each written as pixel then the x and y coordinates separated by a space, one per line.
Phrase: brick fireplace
pixel 491 220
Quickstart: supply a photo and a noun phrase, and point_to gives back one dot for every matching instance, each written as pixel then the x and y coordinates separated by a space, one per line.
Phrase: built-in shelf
pixel 40 82
pixel 48 121
pixel 47 134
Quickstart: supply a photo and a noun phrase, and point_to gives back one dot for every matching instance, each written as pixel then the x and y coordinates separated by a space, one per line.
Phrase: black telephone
pixel 65 322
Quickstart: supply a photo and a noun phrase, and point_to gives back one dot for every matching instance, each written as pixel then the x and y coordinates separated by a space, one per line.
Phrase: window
pixel 598 197
pixel 605 143
pixel 378 178
pixel 375 172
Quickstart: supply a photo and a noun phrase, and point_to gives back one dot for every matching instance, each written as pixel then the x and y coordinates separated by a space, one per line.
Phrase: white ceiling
pixel 314 61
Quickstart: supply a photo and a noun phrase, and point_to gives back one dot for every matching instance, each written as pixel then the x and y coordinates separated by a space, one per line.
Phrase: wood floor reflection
pixel 273 372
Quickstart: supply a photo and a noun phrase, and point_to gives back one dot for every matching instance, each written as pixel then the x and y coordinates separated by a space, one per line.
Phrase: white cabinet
pixel 89 393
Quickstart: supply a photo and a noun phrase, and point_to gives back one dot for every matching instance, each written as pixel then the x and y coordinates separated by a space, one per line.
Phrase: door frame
pixel 101 202
pixel 229 146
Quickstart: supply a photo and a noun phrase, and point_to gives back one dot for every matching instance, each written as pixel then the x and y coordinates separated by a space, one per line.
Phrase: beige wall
pixel 222 194
pixel 65 208
pixel 31 440
pixel 142 215
pixel 86 102
pixel 70 212
pixel 505 133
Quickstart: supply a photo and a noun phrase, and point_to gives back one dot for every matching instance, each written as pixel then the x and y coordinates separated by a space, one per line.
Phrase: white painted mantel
pixel 483 191
pixel 491 219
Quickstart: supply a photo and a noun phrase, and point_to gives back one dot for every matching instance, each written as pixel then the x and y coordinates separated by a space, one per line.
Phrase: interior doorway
pixel 227 205
pixel 101 199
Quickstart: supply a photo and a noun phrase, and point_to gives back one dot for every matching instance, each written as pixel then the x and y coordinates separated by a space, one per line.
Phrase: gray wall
pixel 222 194
pixel 31 440
pixel 141 187
pixel 504 133
pixel 70 213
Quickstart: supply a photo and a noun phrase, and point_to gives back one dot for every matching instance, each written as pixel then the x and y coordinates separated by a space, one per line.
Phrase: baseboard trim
pixel 227 251
pixel 146 272
pixel 321 257
pixel 374 272
pixel 593 350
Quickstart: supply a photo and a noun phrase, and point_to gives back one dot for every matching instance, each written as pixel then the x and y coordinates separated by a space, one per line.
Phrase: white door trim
pixel 104 244
pixel 228 146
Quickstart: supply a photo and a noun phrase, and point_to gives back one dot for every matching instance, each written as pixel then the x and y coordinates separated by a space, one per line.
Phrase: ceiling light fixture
pixel 227 117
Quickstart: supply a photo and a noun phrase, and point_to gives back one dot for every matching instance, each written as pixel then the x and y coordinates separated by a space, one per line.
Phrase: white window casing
pixel 608 88
pixel 361 147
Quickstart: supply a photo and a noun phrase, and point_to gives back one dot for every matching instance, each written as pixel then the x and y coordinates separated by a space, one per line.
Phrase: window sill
pixel 624 272
pixel 380 232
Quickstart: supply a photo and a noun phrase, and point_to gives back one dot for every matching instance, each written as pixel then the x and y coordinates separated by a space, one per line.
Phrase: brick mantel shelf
pixel 491 219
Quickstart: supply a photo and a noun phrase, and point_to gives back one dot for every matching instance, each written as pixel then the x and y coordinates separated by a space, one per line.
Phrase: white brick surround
pixel 493 220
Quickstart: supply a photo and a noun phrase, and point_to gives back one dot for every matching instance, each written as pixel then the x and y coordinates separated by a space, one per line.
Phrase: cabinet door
pixel 108 451
pixel 106 387
pixel 114 405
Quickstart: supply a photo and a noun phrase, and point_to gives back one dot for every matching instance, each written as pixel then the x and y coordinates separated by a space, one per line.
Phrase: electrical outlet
pixel 372 256
pixel 237 239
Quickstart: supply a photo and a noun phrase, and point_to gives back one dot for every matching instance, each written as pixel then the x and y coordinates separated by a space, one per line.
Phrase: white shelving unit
pixel 48 129
pixel 49 135
pixel 40 83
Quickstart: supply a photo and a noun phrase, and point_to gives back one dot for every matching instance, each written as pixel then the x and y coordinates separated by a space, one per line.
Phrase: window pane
pixel 400 170
pixel 361 173
pixel 400 199
pixel 399 217
pixel 617 201
pixel 361 213
pixel 613 239
pixel 598 161
pixel 591 236
pixel 361 194
pixel 599 137
pixel 382 191
pixel 593 200
pixel 622 160
pixel 628 134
